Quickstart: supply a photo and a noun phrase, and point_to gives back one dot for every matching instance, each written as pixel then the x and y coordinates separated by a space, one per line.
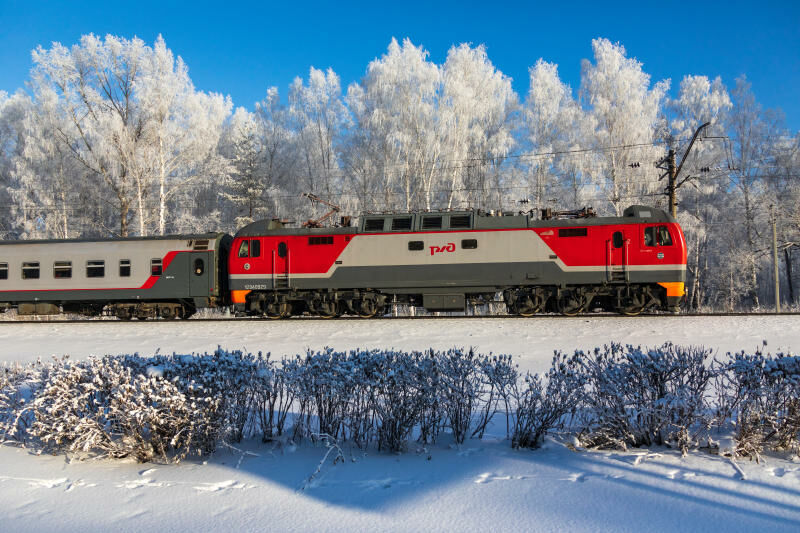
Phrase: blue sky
pixel 241 48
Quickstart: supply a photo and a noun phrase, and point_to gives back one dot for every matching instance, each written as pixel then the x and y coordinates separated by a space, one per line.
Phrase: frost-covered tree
pixel 626 112
pixel 474 110
pixel 182 128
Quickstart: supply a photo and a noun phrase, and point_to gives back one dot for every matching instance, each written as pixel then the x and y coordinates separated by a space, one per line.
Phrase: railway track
pixel 543 316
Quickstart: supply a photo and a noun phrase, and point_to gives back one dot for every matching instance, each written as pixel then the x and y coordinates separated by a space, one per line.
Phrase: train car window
pixel 617 239
pixel 314 241
pixel 3 270
pixel 156 267
pixel 415 246
pixel 95 268
pixel 255 248
pixel 283 250
pixel 650 236
pixel 201 244
pixel 573 232
pixel 373 224
pixel 459 221
pixel 62 269
pixel 30 270
pixel 401 224
pixel 199 267
pixel 664 238
pixel 244 249
pixel 469 244
pixel 124 268
pixel 431 222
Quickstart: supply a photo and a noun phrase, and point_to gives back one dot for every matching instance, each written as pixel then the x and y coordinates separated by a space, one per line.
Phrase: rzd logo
pixel 449 247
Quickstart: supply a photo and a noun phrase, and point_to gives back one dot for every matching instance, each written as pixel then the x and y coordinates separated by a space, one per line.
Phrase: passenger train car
pixel 443 260
pixel 145 277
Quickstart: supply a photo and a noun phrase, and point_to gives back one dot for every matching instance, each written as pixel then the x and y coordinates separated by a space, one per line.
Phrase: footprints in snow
pixel 488 477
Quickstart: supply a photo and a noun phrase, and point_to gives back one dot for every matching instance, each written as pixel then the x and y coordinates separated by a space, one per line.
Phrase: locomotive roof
pixel 636 214
pixel 182 237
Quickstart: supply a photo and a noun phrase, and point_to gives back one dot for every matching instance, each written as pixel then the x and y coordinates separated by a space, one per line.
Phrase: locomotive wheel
pixel 368 308
pixel 328 309
pixel 632 310
pixel 571 305
pixel 529 304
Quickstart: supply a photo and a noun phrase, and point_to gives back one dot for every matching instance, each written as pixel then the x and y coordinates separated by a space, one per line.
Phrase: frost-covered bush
pixel 461 389
pixel 539 407
pixel 642 397
pixel 760 396
pixel 500 377
pixel 18 385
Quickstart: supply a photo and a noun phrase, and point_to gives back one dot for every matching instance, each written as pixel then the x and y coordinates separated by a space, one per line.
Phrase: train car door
pixel 618 255
pixel 201 271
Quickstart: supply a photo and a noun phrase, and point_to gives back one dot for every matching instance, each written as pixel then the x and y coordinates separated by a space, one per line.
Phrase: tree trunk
pixel 787 257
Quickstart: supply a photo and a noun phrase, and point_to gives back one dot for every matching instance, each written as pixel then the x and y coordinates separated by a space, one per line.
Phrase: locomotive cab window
pixel 664 238
pixel 156 267
pixel 617 239
pixel 657 236
pixel 373 224
pixel 199 267
pixel 124 268
pixel 416 246
pixel 244 249
pixel 62 269
pixel 469 244
pixel 30 270
pixel 95 268
pixel 255 248
pixel 3 270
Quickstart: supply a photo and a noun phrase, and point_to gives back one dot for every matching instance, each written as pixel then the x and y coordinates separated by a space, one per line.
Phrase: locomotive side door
pixel 617 250
pixel 280 265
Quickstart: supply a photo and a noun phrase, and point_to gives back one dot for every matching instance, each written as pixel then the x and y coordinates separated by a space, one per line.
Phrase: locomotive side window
pixel 431 222
pixel 3 270
pixel 617 239
pixel 657 236
pixel 572 232
pixel 650 236
pixel 459 221
pixel 469 244
pixel 199 267
pixel 30 270
pixel 283 250
pixel 314 241
pixel 244 249
pixel 373 224
pixel 95 268
pixel 664 238
pixel 255 248
pixel 62 269
pixel 156 267
pixel 124 268
pixel 401 224
pixel 416 246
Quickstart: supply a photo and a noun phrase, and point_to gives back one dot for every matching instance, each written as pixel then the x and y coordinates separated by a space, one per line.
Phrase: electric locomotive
pixel 443 260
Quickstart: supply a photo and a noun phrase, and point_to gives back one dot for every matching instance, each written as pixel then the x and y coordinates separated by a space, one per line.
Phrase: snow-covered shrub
pixel 18 385
pixel 639 397
pixel 272 398
pixel 500 377
pixel 461 389
pixel 538 407
pixel 760 395
pixel 399 396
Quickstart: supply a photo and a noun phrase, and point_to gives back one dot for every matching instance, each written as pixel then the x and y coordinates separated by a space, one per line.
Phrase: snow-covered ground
pixel 483 485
